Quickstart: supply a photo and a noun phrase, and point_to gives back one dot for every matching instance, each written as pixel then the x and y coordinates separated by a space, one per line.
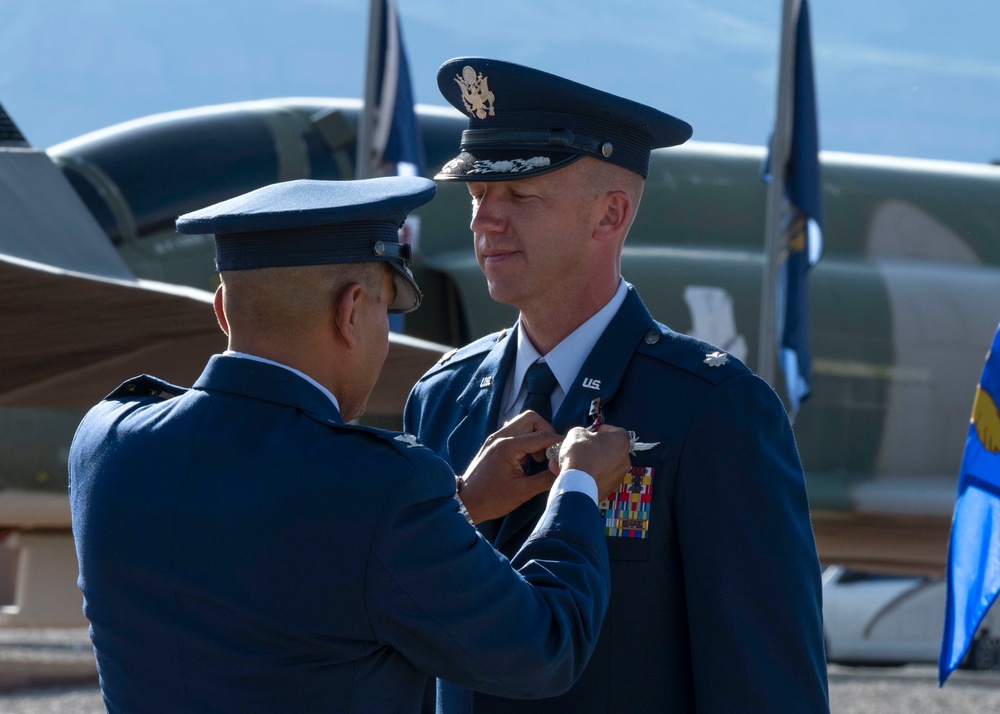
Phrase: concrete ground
pixel 51 671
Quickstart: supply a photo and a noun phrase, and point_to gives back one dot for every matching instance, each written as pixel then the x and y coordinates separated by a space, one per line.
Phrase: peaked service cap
pixel 525 122
pixel 311 222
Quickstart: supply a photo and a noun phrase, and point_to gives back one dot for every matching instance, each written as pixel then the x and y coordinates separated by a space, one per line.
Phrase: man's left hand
pixel 495 484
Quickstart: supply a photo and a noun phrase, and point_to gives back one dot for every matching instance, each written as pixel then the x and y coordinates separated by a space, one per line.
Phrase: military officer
pixel 243 548
pixel 715 577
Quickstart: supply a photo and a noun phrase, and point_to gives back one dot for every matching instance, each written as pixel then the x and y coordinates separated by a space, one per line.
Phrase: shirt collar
pixel 255 358
pixel 565 359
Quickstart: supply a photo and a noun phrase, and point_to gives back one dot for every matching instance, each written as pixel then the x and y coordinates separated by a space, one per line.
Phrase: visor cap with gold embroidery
pixel 524 122
pixel 310 222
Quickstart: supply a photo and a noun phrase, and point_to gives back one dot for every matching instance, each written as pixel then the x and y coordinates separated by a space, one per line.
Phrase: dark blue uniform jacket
pixel 716 602
pixel 243 550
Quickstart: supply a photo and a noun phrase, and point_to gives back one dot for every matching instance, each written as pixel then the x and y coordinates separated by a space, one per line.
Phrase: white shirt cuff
pixel 574 480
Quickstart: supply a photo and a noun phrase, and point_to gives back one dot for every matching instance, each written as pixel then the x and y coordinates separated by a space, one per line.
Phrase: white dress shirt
pixel 565 359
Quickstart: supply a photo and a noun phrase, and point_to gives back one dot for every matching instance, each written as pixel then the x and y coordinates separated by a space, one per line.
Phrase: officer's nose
pixel 487 216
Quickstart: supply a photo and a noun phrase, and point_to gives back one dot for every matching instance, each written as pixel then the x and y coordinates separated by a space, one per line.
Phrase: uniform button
pixel 652 337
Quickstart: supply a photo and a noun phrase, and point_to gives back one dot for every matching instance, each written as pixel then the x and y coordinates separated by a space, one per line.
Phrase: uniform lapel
pixel 600 376
pixel 604 368
pixel 479 403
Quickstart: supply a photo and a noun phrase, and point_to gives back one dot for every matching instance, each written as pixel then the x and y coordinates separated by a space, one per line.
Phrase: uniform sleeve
pixel 751 572
pixel 411 410
pixel 443 597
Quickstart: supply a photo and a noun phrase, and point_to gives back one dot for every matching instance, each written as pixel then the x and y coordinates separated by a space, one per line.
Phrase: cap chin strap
pixel 393 251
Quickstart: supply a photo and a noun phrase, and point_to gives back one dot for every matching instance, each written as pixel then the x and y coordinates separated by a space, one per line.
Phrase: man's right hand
pixel 603 454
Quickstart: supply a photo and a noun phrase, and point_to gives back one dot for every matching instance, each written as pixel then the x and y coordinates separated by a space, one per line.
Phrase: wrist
pixel 576 480
pixel 459 483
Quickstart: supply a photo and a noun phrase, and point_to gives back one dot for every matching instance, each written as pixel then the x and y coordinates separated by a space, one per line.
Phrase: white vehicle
pixel 891 619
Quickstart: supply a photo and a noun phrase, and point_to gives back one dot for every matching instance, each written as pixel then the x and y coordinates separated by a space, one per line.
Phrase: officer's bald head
pixel 286 304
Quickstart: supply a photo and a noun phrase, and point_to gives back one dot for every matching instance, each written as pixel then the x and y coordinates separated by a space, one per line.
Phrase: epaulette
pixel 146 386
pixel 701 359
pixel 404 443
pixel 478 347
pixel 447 356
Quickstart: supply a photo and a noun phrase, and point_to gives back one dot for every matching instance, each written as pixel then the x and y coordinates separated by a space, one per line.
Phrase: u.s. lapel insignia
pixel 635 445
pixel 626 511
pixel 409 439
pixel 476 94
pixel 716 359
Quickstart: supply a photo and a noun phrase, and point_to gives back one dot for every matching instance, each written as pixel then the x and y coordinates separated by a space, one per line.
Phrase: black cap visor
pixel 408 295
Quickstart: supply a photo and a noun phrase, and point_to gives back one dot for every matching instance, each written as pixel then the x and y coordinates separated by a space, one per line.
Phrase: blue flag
pixel 801 220
pixel 974 551
pixel 396 139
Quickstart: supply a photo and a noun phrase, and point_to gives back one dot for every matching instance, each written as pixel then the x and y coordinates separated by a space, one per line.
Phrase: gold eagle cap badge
pixel 476 94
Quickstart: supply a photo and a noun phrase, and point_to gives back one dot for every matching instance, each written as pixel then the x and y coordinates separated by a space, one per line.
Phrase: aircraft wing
pixel 44 220
pixel 77 323
pixel 71 338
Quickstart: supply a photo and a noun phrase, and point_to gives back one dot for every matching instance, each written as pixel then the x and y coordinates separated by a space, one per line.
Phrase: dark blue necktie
pixel 539 383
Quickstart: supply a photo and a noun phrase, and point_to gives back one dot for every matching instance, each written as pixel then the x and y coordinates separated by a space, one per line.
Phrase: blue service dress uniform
pixel 716 600
pixel 242 549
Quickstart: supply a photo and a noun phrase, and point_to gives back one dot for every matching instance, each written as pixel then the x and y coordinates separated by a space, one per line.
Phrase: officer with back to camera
pixel 715 601
pixel 243 548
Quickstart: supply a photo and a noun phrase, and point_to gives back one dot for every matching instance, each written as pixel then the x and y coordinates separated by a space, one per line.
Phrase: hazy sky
pixel 893 76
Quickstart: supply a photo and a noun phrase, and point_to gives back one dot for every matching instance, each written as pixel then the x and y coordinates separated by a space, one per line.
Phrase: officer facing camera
pixel 715 603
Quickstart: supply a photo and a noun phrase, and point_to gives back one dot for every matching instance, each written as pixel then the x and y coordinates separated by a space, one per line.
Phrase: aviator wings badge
pixel 635 445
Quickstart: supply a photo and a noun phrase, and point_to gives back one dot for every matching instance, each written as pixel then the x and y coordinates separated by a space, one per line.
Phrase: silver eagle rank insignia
pixel 409 439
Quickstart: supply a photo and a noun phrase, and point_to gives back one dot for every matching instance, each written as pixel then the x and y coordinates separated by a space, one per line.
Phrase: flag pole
pixel 366 121
pixel 773 228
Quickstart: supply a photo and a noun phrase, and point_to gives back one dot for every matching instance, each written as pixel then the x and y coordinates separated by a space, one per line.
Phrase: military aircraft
pixel 904 302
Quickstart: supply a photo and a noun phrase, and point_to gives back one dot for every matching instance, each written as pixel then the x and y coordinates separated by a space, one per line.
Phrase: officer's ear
pixel 346 314
pixel 220 313
pixel 616 217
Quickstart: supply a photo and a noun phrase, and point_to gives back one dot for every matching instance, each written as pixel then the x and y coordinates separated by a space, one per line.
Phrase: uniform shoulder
pixel 402 444
pixel 702 359
pixel 146 386
pixel 463 354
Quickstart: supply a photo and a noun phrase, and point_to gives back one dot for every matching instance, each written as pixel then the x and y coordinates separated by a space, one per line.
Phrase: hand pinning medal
pixel 596 415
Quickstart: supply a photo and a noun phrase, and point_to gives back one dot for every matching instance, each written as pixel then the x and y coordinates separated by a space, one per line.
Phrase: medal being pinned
pixel 596 414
